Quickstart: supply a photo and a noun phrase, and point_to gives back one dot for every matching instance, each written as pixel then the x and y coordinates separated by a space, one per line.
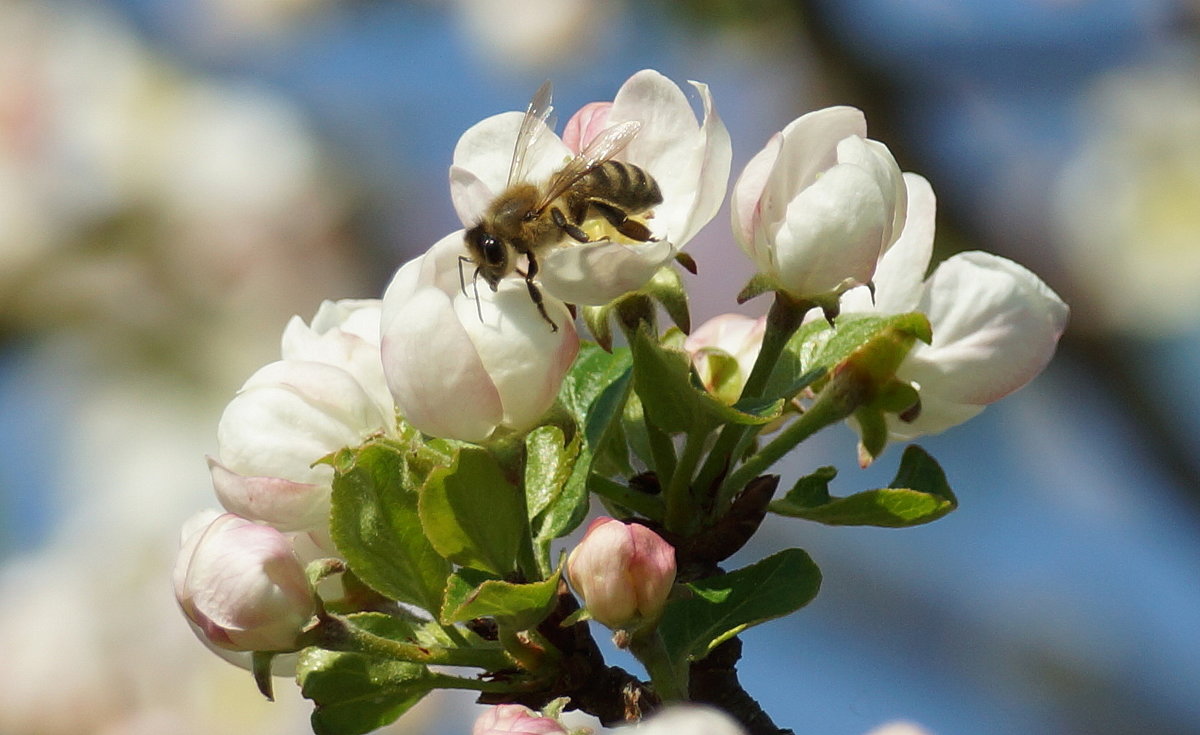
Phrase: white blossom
pixel 817 206
pixel 328 393
pixel 689 159
pixel 462 362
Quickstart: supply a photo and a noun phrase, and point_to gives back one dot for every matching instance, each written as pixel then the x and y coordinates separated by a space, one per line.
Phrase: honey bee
pixel 529 219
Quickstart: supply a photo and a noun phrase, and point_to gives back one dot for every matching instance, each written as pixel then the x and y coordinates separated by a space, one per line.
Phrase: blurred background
pixel 178 177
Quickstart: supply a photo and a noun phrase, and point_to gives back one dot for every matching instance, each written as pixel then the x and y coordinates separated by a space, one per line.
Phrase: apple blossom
pixel 690 160
pixel 241 585
pixel 326 394
pixel 995 324
pixel 734 337
pixel 514 719
pixel 819 204
pixel 623 572
pixel 462 362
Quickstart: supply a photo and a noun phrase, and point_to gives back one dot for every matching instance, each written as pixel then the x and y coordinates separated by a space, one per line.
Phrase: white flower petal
pixel 995 327
pixel 483 158
pixel 874 157
pixel 596 273
pixel 832 232
pixel 518 350
pixel 809 147
pixel 689 160
pixel 289 415
pixel 901 271
pixel 435 375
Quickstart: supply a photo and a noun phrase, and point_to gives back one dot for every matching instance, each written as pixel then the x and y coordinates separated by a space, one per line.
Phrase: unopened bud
pixel 514 719
pixel 623 572
pixel 242 587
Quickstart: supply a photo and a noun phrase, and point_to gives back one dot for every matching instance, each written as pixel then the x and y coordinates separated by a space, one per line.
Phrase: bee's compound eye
pixel 492 249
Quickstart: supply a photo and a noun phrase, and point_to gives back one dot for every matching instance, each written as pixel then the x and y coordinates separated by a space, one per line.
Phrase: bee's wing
pixel 606 145
pixel 533 123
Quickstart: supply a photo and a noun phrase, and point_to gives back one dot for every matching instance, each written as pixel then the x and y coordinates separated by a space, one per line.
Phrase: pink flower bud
pixel 242 587
pixel 513 719
pixel 623 572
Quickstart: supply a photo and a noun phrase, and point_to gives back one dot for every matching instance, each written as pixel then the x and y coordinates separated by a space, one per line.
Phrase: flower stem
pixel 650 506
pixel 833 404
pixel 784 318
pixel 680 511
pixel 670 682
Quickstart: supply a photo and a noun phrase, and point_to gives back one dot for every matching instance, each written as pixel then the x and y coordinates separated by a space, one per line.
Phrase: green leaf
pixel 604 430
pixel 472 515
pixel 672 401
pixel 519 606
pixel 918 494
pixel 592 372
pixel 548 465
pixel 356 693
pixel 812 490
pixel 723 606
pixel 375 524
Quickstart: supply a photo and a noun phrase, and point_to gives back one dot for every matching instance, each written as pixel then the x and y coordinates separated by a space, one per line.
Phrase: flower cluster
pixel 434 445
pixel 239 577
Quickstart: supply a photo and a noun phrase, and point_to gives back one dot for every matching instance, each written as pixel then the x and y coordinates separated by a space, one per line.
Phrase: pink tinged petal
pixel 746 202
pixel 622 571
pixel 517 349
pixel 282 504
pixel 585 125
pixel 832 233
pixel 995 327
pixel 595 274
pixel 736 335
pixel 652 571
pixel 434 372
pixel 900 275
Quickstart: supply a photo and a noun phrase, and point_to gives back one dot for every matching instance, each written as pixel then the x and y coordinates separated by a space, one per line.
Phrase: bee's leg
pixel 567 226
pixel 535 293
pixel 462 281
pixel 620 221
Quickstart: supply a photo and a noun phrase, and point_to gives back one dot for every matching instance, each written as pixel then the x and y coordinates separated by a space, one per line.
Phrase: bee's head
pixel 489 254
